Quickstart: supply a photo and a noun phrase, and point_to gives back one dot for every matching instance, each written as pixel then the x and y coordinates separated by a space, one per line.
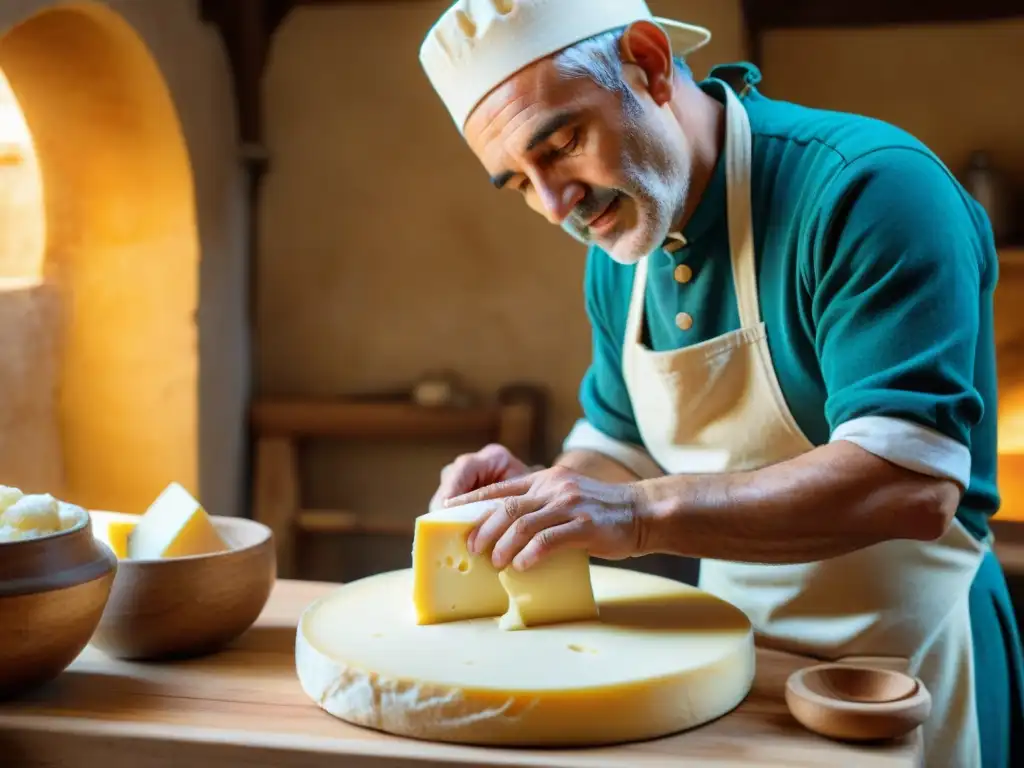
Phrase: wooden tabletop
pixel 244 707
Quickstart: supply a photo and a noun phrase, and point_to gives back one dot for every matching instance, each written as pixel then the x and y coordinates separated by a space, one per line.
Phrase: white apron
pixel 717 407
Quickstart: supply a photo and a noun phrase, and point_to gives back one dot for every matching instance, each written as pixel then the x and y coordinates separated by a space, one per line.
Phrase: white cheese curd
pixel 30 516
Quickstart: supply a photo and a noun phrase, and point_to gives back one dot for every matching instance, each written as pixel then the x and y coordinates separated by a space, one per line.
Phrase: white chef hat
pixel 477 45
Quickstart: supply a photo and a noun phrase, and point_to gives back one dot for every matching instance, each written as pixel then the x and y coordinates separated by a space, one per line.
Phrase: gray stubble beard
pixel 653 185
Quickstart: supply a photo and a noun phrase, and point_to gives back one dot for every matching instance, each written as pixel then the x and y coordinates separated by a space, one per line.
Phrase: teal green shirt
pixel 875 272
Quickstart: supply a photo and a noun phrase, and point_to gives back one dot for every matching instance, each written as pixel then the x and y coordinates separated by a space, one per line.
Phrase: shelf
pixel 331 521
pixel 1009 544
pixel 515 419
pixel 1011 256
pixel 363 420
pixel 764 15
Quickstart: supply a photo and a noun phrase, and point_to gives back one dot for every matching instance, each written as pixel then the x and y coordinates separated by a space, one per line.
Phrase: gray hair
pixel 599 58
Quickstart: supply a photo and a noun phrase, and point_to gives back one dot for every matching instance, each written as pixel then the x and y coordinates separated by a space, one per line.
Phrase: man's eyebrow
pixel 550 126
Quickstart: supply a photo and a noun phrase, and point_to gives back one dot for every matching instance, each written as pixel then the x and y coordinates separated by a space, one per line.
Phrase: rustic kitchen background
pixel 217 218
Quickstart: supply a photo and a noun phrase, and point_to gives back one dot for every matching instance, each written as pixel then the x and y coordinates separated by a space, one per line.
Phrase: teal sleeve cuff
pixel 585 437
pixel 896 279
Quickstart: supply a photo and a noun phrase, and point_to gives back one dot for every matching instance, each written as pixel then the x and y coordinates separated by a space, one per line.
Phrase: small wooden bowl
pixel 187 606
pixel 52 593
pixel 855 703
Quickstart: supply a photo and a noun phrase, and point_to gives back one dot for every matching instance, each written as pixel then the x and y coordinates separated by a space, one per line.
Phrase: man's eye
pixel 571 144
pixel 566 148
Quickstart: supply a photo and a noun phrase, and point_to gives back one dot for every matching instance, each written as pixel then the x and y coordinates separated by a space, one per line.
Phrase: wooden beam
pixel 246 28
pixel 782 14
pixel 776 14
pixel 350 2
pixel 753 31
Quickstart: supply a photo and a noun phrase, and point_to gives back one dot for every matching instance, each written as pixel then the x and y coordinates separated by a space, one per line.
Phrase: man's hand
pixel 554 509
pixel 470 471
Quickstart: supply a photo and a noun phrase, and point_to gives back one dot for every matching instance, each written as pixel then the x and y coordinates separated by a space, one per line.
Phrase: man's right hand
pixel 471 471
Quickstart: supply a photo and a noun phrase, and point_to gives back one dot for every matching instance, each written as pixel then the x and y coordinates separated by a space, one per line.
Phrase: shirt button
pixel 683 274
pixel 684 321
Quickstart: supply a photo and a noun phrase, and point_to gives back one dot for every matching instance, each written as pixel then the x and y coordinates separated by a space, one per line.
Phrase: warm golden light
pixel 1009 328
pixel 1011 450
pixel 22 212
pixel 1011 420
pixel 13 130
pixel 121 251
pixel 15 141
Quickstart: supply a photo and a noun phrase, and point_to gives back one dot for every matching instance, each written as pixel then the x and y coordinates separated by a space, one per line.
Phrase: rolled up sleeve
pixel 895 280
pixel 608 426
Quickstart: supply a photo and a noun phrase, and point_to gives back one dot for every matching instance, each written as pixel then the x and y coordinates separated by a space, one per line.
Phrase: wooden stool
pixel 516 421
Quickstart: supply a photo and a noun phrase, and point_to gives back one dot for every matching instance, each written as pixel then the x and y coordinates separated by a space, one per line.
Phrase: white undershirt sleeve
pixel 586 437
pixel 909 445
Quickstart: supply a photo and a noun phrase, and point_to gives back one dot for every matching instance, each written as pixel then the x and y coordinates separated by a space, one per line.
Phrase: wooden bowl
pixel 52 593
pixel 857 703
pixel 187 606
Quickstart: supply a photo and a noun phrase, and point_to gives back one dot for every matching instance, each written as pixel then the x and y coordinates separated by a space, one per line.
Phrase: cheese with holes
pixel 175 525
pixel 450 584
pixel 662 658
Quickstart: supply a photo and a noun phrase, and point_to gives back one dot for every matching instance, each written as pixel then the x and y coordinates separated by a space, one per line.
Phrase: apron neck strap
pixel 635 318
pixel 738 161
pixel 738 157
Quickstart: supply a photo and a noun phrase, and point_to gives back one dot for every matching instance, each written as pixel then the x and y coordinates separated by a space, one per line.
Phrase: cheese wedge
pixel 553 591
pixel 175 525
pixel 450 584
pixel 118 532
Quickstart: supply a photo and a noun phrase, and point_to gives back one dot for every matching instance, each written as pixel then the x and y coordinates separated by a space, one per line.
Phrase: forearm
pixel 833 500
pixel 597 466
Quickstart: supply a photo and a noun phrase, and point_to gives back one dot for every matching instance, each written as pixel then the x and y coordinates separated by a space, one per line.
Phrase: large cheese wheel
pixel 662 658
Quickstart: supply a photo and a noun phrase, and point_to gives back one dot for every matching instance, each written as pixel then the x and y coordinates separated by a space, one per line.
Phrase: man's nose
pixel 558 201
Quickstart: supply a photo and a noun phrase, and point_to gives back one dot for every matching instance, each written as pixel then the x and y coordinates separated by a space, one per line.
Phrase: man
pixel 793 375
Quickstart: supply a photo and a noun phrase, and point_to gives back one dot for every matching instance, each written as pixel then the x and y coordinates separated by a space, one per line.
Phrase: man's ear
pixel 646 45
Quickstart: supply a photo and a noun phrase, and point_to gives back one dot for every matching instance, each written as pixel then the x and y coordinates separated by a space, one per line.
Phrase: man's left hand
pixel 554 509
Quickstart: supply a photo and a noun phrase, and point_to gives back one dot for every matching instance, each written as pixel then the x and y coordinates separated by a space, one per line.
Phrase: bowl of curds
pixel 55 582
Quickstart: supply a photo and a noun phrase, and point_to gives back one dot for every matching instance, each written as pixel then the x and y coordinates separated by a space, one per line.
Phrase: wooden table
pixel 244 707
